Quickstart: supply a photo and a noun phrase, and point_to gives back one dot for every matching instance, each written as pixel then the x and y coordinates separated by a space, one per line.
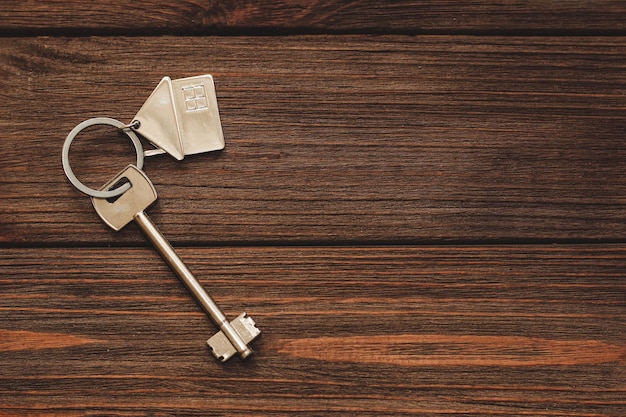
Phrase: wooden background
pixel 422 205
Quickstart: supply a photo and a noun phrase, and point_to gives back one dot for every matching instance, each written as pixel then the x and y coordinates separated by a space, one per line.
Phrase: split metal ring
pixel 66 155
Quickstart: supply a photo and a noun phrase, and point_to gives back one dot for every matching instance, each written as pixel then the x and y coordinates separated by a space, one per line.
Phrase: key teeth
pixel 246 327
pixel 221 347
pixel 219 357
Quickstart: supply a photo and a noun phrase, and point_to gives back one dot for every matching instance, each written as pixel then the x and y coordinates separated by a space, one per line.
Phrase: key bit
pixel 220 344
pixel 234 336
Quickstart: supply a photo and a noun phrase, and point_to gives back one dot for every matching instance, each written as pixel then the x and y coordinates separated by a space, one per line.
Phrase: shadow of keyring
pixel 66 155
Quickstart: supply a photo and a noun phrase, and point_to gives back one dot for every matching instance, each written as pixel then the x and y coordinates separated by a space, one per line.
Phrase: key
pixel 234 336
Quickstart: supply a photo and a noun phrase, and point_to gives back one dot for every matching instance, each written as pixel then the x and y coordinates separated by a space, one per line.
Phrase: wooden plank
pixel 329 139
pixel 284 17
pixel 507 331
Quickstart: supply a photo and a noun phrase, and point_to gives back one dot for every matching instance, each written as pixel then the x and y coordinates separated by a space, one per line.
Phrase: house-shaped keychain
pixel 181 117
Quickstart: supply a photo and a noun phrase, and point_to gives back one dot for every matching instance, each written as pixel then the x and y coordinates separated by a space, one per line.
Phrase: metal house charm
pixel 181 117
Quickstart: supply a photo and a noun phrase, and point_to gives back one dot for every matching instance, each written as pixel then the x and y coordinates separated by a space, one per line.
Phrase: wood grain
pixel 422 205
pixel 470 330
pixel 330 139
pixel 329 16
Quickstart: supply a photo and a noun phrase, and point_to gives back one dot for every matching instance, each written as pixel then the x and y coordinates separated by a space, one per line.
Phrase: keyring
pixel 66 155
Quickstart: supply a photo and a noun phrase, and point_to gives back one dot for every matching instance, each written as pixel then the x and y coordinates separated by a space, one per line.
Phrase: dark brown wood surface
pixel 356 331
pixel 272 17
pixel 420 225
pixel 332 139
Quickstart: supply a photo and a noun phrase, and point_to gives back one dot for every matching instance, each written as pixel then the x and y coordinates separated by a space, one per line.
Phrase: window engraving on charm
pixel 195 98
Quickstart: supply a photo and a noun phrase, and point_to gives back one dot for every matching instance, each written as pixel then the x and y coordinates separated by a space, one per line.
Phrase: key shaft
pixel 170 256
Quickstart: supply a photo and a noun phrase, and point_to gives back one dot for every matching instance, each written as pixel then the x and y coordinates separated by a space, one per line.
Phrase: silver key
pixel 233 336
